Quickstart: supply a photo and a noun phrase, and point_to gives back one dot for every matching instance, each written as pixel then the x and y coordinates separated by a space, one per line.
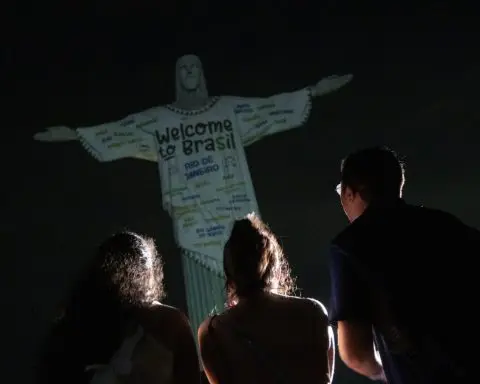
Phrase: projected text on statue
pixel 200 167
pixel 209 136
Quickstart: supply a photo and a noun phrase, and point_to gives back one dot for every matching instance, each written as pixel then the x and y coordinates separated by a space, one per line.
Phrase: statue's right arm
pixel 128 137
pixel 58 133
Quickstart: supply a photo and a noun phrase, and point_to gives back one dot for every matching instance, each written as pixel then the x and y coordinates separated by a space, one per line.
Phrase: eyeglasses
pixel 338 188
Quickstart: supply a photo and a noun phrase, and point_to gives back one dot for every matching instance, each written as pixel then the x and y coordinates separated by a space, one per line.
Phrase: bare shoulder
pixel 217 323
pixel 170 315
pixel 167 324
pixel 319 307
pixel 306 304
pixel 316 311
pixel 203 329
pixel 204 325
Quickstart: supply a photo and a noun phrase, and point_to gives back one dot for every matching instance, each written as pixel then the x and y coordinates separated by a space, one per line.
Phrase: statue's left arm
pixel 260 117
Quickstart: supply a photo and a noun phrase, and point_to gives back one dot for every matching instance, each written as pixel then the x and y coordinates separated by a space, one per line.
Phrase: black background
pixel 415 89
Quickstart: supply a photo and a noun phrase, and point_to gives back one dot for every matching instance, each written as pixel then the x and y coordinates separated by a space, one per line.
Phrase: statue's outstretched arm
pixel 57 133
pixel 110 141
pixel 260 117
pixel 330 84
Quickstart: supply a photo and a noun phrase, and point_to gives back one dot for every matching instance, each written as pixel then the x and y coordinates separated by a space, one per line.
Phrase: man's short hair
pixel 375 173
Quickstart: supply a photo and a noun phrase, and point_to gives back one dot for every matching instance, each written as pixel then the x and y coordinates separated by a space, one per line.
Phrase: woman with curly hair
pixel 115 330
pixel 266 335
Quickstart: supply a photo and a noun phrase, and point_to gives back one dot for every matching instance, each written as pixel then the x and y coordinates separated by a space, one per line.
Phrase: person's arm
pixel 186 368
pixel 213 366
pixel 357 351
pixel 331 353
pixel 326 338
pixel 350 310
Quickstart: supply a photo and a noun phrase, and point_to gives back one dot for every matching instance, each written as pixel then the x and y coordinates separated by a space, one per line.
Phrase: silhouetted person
pixel 115 330
pixel 401 278
pixel 265 336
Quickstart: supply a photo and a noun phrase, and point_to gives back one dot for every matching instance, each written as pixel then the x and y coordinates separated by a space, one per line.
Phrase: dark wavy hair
pixel 254 261
pixel 126 274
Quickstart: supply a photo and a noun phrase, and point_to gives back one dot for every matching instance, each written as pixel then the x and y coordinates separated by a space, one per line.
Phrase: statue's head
pixel 189 76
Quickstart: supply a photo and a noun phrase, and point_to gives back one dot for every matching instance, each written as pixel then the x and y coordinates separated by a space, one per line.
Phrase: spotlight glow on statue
pixel 198 142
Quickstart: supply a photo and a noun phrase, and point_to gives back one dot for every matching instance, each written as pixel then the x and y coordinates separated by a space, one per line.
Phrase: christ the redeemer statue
pixel 198 142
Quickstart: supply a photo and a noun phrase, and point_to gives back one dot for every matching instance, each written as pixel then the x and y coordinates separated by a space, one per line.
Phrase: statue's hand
pixel 330 84
pixel 59 133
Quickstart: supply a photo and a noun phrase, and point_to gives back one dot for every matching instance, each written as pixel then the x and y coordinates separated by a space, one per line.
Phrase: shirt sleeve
pixel 349 298
pixel 260 117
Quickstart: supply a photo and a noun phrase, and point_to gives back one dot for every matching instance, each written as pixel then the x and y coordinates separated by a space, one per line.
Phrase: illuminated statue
pixel 198 142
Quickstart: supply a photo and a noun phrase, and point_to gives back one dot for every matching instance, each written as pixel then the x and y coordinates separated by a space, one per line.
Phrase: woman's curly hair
pixel 126 274
pixel 254 261
pixel 129 267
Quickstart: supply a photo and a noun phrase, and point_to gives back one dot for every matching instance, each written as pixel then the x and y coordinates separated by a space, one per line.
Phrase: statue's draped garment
pixel 204 174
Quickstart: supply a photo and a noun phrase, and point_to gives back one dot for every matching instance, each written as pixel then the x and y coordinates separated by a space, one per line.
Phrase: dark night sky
pixel 415 88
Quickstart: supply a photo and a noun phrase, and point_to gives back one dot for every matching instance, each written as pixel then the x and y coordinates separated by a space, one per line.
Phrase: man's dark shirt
pixel 407 271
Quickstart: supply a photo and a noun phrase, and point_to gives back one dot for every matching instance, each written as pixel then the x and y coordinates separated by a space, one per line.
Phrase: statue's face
pixel 190 73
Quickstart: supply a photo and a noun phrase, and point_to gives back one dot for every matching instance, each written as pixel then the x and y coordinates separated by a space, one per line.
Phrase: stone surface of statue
pixel 198 142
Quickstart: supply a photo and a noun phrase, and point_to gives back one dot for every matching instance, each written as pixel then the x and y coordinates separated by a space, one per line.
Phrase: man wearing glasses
pixel 395 272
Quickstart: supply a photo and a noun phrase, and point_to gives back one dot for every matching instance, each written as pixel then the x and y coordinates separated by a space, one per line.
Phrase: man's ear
pixel 348 194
